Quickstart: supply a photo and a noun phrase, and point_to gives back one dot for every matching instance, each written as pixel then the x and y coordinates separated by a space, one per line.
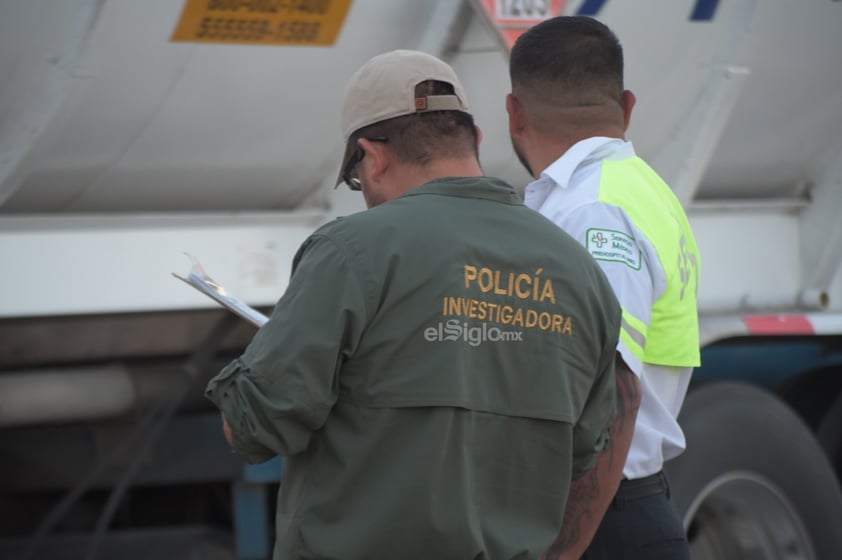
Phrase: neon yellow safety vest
pixel 672 338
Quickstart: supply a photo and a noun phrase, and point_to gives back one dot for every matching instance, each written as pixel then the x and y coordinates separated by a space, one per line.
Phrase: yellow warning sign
pixel 262 22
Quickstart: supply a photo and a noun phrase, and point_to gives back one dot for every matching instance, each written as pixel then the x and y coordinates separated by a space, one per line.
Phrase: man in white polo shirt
pixel 568 113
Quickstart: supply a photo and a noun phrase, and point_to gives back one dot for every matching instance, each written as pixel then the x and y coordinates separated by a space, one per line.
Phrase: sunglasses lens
pixel 353 182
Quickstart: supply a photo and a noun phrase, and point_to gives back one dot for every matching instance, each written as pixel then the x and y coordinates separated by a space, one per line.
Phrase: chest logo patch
pixel 613 246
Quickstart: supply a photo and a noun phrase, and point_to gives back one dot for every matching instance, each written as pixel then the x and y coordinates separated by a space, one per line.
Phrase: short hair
pixel 568 58
pixel 420 138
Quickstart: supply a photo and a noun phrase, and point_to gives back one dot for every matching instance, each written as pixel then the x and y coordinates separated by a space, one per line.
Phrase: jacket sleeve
pixel 592 429
pixel 283 386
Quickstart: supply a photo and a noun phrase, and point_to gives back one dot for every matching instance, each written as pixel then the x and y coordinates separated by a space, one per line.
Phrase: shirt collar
pixel 561 170
pixel 485 187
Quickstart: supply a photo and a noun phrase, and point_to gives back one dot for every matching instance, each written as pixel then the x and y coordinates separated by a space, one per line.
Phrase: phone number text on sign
pixel 522 9
pixel 263 22
pixel 257 30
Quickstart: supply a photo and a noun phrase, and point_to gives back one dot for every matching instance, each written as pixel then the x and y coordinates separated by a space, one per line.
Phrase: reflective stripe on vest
pixel 672 338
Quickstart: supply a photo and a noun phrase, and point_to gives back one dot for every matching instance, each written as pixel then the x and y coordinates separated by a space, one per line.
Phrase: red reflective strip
pixel 779 324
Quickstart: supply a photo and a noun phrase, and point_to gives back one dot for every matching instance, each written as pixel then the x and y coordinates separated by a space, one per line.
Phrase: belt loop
pixel 666 483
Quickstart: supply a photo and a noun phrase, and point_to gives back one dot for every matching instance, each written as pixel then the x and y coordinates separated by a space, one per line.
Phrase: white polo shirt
pixel 568 193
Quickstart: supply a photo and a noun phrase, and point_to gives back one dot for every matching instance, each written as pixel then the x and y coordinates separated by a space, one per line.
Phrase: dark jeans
pixel 639 526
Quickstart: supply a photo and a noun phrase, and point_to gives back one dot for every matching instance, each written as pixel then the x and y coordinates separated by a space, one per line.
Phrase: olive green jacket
pixel 438 370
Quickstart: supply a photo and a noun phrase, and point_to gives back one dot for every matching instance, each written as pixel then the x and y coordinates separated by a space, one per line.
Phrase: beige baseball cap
pixel 384 88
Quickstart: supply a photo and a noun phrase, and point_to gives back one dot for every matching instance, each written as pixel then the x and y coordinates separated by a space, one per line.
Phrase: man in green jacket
pixel 441 365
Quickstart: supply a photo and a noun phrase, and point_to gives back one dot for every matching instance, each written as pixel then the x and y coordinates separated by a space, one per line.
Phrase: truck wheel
pixel 753 483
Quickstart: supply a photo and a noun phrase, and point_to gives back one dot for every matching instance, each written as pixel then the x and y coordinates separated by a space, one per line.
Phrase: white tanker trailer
pixel 133 132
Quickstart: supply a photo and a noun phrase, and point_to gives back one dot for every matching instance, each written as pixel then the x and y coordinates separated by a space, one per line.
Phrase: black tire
pixel 754 482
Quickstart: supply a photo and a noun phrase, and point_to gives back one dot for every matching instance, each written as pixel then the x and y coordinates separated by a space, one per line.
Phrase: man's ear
pixel 517 119
pixel 627 100
pixel 376 159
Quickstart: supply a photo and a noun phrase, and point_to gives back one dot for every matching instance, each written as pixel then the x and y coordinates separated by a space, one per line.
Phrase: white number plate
pixel 523 9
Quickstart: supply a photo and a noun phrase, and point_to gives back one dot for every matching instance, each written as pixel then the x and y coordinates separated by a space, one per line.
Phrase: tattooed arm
pixel 591 494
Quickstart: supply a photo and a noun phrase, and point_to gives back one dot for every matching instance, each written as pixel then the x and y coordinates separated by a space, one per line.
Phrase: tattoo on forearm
pixel 583 492
pixel 628 395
